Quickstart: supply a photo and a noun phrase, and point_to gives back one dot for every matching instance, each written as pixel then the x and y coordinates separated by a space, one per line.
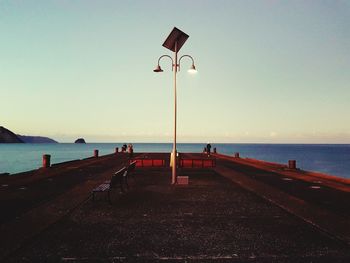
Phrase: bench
pixel 130 170
pixel 119 178
pixel 129 173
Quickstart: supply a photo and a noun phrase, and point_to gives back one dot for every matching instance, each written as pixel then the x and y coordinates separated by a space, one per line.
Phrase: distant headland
pixel 7 136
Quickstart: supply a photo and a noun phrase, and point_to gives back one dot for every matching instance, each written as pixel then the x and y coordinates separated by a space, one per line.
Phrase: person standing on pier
pixel 130 150
pixel 208 148
pixel 124 148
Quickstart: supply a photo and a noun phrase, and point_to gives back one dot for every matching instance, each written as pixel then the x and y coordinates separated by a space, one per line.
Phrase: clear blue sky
pixel 268 71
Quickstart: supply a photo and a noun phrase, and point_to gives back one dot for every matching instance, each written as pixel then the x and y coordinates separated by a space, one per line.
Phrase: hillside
pixel 35 139
pixel 7 136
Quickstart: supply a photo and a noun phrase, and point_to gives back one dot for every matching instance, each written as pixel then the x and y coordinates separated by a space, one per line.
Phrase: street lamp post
pixel 174 42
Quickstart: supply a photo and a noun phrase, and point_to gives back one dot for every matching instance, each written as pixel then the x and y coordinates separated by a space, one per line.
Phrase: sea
pixel 333 159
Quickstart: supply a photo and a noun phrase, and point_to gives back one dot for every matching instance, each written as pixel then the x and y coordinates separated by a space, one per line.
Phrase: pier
pixel 230 209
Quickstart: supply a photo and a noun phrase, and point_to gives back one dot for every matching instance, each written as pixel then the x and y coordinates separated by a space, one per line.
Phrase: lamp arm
pixel 183 57
pixel 172 61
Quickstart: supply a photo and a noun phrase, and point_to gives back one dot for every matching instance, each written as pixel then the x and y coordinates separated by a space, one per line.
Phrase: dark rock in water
pixel 36 139
pixel 80 140
pixel 7 136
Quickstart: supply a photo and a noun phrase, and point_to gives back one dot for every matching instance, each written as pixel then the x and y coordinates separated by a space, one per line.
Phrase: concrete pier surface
pixel 241 210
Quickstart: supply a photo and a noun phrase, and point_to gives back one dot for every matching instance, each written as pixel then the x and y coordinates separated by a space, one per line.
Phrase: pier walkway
pixel 238 211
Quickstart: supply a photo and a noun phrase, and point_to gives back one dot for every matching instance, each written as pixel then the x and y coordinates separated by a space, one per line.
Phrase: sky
pixel 269 71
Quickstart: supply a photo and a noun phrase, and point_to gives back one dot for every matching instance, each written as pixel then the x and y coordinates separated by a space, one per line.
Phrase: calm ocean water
pixel 332 159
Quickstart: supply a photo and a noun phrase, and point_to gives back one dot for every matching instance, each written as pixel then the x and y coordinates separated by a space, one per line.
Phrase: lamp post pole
pixel 173 175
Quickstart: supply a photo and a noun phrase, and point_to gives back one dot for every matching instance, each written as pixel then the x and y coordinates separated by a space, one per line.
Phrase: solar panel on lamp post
pixel 174 42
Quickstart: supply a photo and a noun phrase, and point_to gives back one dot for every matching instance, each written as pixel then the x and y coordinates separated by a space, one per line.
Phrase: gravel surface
pixel 210 220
